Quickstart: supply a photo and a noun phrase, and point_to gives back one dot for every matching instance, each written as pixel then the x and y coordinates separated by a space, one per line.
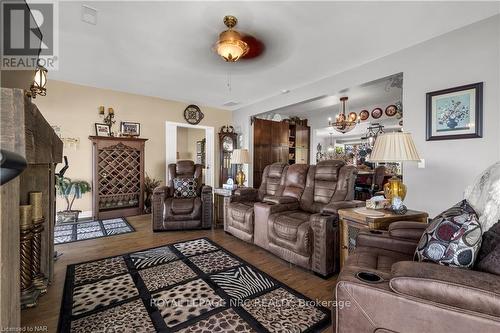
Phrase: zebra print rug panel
pixel 242 282
pixel 152 257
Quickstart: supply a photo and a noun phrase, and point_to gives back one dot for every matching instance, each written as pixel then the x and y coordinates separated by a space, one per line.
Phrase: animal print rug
pixel 191 286
pixel 73 232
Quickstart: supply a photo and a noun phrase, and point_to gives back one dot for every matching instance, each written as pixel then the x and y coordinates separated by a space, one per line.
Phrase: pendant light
pixel 343 123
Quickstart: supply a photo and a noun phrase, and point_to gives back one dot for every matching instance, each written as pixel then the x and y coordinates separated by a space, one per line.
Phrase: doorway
pixel 184 142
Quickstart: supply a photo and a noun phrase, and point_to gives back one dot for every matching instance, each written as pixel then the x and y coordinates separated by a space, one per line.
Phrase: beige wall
pixel 75 109
pixel 186 142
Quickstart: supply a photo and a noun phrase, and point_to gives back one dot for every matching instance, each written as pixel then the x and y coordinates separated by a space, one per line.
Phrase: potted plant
pixel 70 190
pixel 149 185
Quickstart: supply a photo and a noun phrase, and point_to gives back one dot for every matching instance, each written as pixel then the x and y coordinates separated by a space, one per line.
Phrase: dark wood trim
pixel 479 113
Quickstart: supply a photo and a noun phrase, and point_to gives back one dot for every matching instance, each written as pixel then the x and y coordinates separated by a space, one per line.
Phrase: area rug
pixel 73 232
pixel 190 286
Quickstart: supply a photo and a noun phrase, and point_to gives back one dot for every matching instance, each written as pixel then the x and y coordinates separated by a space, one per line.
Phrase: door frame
pixel 171 148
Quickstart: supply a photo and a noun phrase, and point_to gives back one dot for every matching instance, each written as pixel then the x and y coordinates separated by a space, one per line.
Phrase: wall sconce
pixel 109 119
pixel 39 82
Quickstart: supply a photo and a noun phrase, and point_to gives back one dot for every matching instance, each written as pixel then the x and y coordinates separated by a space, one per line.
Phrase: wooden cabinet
pixel 118 176
pixel 275 141
pixel 302 136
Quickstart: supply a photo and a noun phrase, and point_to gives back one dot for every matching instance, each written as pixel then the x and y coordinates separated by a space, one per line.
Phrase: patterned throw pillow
pixel 453 238
pixel 185 187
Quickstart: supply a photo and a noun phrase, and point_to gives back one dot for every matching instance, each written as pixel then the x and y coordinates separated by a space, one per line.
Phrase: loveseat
pixel 299 223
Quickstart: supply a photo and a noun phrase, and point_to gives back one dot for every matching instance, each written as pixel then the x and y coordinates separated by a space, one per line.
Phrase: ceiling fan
pixel 233 45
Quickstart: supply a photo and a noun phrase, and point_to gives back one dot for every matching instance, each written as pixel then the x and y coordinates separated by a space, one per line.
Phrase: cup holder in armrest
pixel 369 277
pixel 376 232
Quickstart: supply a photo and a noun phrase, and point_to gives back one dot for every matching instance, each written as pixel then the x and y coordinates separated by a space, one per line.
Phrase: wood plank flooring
pixel 47 311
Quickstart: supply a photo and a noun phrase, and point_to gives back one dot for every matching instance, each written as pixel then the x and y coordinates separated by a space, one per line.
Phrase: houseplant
pixel 149 185
pixel 70 190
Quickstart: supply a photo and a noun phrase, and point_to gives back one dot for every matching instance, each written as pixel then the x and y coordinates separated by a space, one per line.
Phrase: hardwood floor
pixel 47 311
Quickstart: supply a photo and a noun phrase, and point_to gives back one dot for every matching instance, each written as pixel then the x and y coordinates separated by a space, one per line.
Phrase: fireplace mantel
pixel 25 131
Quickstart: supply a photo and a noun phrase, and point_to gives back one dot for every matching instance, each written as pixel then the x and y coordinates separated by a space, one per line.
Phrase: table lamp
pixel 394 147
pixel 239 157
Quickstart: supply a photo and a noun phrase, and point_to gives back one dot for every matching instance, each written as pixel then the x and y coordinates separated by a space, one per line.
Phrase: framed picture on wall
pixel 128 128
pixel 455 113
pixel 102 129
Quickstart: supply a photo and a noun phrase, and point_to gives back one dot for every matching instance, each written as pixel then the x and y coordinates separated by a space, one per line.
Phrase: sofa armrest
pixel 279 199
pixel 271 208
pixel 382 240
pixel 325 256
pixel 407 230
pixel 451 286
pixel 333 207
pixel 165 190
pixel 245 194
pixel 157 202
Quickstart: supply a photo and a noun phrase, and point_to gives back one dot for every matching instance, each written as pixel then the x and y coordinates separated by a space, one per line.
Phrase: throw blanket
pixel 484 196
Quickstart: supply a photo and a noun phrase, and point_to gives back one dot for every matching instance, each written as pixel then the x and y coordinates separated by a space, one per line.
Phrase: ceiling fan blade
pixel 256 47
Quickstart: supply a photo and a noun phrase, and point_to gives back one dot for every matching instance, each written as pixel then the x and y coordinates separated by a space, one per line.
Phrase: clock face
pixel 227 144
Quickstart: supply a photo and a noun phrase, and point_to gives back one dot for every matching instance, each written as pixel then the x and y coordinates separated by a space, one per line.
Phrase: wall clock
pixel 193 114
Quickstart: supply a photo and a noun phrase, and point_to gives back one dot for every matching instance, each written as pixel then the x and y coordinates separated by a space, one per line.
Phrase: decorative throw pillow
pixel 453 238
pixel 185 187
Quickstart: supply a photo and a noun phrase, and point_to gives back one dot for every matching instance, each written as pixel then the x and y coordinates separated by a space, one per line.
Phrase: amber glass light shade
pixel 230 46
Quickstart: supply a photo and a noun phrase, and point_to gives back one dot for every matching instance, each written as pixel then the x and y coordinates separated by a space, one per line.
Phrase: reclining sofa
pixel 401 295
pixel 297 220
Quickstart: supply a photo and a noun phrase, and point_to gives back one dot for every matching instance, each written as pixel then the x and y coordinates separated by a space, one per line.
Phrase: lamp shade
pixel 394 147
pixel 240 156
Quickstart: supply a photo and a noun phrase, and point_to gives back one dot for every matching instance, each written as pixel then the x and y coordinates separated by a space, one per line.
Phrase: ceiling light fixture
pixel 230 45
pixel 343 123
pixel 373 131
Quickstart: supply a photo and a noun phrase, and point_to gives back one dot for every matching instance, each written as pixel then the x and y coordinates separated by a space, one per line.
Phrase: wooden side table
pixel 221 198
pixel 354 220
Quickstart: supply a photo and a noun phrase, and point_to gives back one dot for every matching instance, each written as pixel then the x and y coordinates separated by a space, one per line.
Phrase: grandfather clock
pixel 227 143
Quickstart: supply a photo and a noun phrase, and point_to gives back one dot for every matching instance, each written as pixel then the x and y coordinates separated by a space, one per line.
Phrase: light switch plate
pixel 421 164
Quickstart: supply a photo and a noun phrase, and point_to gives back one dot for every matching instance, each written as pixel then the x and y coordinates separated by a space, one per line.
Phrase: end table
pixel 354 220
pixel 221 195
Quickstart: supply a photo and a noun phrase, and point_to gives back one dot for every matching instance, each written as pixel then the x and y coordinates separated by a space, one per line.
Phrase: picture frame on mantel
pixel 455 113
pixel 102 129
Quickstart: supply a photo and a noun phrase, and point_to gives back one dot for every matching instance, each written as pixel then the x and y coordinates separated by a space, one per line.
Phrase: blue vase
pixel 451 123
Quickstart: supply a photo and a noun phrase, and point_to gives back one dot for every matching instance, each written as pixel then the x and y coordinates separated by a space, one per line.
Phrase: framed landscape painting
pixel 455 113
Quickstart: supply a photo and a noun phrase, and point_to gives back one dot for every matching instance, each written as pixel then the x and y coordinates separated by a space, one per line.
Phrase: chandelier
pixel 343 123
pixel 230 45
pixel 373 131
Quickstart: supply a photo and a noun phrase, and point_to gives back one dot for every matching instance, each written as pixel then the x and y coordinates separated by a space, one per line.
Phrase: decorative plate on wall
pixel 377 113
pixel 353 116
pixel 364 114
pixel 193 114
pixel 391 110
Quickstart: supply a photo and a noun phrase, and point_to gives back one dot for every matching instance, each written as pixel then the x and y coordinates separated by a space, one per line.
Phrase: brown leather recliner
pixel 411 297
pixel 239 214
pixel 301 224
pixel 171 213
